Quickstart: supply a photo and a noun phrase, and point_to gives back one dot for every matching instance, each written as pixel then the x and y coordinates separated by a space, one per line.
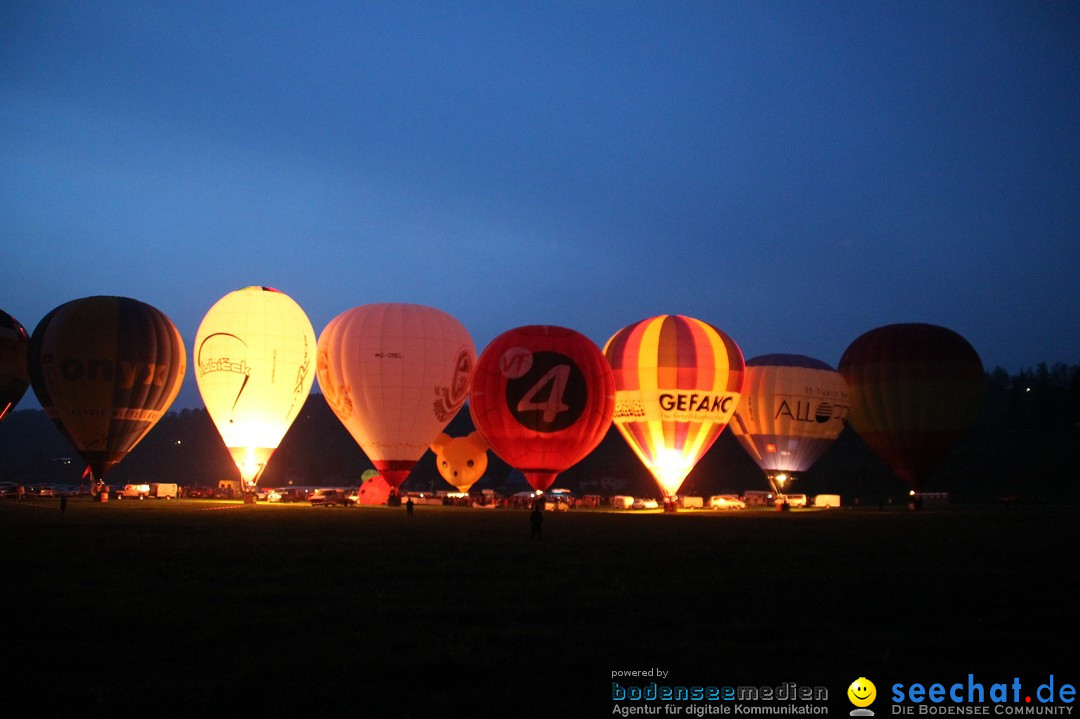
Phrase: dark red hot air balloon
pixel 915 390
pixel 14 378
pixel 543 398
pixel 105 370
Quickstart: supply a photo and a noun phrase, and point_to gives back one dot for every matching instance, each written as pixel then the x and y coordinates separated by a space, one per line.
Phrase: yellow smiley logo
pixel 862 692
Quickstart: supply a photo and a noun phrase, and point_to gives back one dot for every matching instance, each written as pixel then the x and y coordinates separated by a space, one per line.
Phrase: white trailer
pixel 163 490
pixel 827 500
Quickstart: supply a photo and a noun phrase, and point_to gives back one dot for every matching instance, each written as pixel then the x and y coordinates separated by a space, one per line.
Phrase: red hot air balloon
pixel 105 370
pixel 915 390
pixel 14 377
pixel 678 382
pixel 542 397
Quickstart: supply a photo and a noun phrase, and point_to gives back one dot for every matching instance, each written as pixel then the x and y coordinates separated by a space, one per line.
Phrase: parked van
pixel 726 501
pixel 795 500
pixel 163 490
pixel 826 500
pixel 622 501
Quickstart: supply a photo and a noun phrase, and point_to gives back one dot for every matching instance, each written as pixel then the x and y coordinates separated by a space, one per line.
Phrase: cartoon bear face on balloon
pixel 461 460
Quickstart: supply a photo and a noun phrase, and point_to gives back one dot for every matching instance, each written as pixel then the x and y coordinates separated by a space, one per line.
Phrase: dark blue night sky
pixel 794 173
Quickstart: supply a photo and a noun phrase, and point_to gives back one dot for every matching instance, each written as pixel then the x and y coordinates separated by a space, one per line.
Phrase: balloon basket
pixel 102 497
pixel 249 498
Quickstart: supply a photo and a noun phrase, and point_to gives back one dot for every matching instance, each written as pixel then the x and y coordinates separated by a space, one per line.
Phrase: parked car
pixel 328 497
pixel 641 503
pixel 287 494
pixel 132 491
pixel 198 492
pixel 726 501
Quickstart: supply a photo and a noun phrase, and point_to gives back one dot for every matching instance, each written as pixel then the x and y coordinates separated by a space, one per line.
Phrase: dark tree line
pixel 1046 398
pixel 1025 445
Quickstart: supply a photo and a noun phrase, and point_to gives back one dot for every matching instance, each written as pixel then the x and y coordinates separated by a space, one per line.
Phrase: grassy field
pixel 168 608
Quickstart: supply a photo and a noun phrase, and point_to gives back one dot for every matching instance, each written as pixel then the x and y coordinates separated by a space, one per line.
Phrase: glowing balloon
pixel 105 370
pixel 461 460
pixel 792 409
pixel 254 352
pixel 678 382
pixel 915 391
pixel 14 376
pixel 374 490
pixel 542 397
pixel 395 374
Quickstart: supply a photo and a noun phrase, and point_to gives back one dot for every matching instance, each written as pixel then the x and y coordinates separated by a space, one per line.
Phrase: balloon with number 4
pixel 542 397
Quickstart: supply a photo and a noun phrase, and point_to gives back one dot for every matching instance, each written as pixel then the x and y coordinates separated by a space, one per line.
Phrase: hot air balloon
pixel 105 370
pixel 915 391
pixel 395 374
pixel 792 409
pixel 542 398
pixel 461 460
pixel 254 351
pixel 14 376
pixel 678 382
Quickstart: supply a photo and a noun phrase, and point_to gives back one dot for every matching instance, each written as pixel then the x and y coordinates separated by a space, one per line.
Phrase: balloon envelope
pixel 792 409
pixel 542 398
pixel 253 356
pixel 105 370
pixel 678 382
pixel 395 374
pixel 461 460
pixel 915 391
pixel 14 376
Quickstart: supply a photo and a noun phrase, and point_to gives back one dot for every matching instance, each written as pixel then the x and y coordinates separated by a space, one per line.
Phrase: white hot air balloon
pixel 793 408
pixel 395 374
pixel 254 353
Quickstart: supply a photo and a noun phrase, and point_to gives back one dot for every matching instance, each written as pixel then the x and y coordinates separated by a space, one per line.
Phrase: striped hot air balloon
pixel 793 408
pixel 678 381
pixel 915 391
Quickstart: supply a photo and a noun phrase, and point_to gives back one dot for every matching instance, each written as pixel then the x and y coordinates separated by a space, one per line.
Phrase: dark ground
pixel 173 608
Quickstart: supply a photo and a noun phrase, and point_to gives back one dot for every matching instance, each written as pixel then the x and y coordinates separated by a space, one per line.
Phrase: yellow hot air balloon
pixel 254 359
pixel 395 374
pixel 677 383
